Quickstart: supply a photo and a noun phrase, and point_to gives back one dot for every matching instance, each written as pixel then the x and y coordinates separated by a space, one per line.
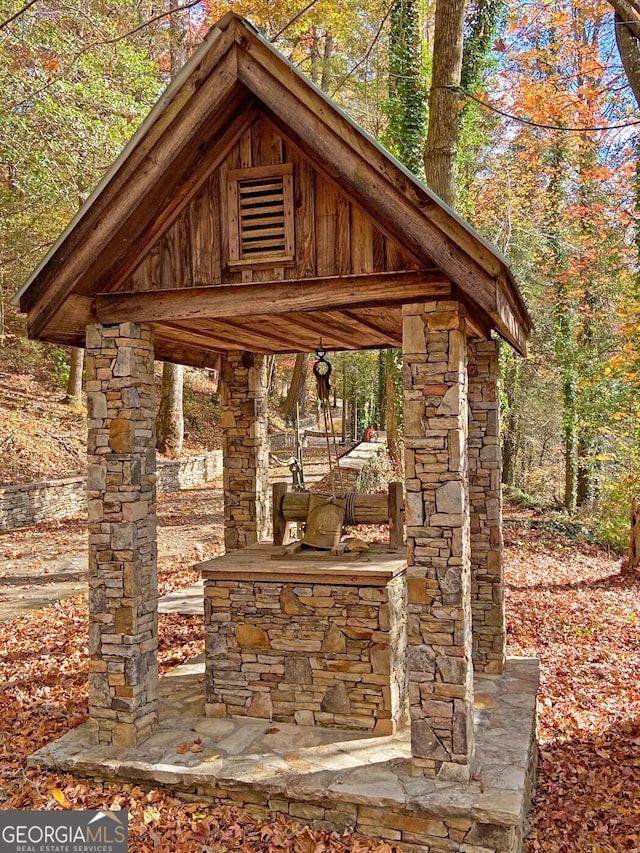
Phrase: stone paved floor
pixel 305 764
pixel 187 601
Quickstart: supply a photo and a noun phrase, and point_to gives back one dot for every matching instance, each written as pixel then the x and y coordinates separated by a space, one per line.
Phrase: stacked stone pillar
pixel 485 495
pixel 123 593
pixel 245 449
pixel 437 519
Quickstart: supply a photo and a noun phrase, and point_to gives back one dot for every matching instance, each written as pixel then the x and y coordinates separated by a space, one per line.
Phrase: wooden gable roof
pixel 161 238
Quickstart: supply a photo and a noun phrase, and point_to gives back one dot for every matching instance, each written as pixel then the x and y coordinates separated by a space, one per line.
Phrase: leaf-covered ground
pixel 570 604
pixel 43 438
pixel 573 606
pixel 43 673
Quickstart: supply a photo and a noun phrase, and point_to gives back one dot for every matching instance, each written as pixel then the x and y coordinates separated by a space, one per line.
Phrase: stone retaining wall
pixel 31 503
pixel 320 654
pixel 282 441
pixel 176 474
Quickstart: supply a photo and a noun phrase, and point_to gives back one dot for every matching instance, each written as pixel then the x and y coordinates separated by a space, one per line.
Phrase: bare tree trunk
pixel 627 20
pixel 569 433
pixel 315 71
pixel 74 383
pixel 634 539
pixel 177 36
pixel 585 472
pixel 381 404
pixel 511 427
pixel 298 388
pixel 170 420
pixel 326 61
pixel 391 397
pixel 442 135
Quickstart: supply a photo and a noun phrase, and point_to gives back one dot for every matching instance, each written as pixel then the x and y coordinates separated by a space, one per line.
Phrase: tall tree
pixel 73 396
pixel 555 202
pixel 340 46
pixel 406 138
pixel 296 395
pixel 393 395
pixel 170 418
pixel 444 126
pixel 627 22
pixel 407 107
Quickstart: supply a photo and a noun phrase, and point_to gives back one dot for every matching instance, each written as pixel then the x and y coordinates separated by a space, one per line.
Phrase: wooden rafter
pixel 330 332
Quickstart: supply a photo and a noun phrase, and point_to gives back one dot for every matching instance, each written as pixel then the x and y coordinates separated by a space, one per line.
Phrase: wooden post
pixel 280 526
pixel 396 516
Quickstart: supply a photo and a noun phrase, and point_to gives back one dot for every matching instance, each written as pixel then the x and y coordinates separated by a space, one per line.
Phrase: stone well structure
pixel 249 217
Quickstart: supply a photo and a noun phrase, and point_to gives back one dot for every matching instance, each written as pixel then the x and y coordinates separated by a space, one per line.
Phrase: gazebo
pixel 248 216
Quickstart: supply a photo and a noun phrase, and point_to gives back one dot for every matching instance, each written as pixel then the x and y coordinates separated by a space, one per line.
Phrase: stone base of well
pixel 315 640
pixel 331 778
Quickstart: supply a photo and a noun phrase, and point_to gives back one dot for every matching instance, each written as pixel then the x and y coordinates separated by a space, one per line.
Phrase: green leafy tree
pixel 407 107
pixel 71 93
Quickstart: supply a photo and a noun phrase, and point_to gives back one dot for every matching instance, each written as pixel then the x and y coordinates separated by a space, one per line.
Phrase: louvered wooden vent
pixel 261 214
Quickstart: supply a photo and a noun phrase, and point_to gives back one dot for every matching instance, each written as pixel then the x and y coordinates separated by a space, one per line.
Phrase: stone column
pixel 121 492
pixel 485 498
pixel 437 518
pixel 245 450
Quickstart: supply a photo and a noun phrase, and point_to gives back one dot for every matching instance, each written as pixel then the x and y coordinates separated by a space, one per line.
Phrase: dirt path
pixel 46 563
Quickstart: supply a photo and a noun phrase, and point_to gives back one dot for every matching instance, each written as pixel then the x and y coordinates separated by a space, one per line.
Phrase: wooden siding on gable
pixel 333 234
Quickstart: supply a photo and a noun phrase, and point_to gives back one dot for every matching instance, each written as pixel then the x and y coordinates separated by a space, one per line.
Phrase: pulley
pixel 322 372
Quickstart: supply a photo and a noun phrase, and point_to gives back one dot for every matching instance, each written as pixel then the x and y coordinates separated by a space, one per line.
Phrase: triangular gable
pixel 233 78
pixel 333 235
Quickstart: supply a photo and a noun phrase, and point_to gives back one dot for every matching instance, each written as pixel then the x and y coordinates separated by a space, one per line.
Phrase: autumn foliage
pixel 576 607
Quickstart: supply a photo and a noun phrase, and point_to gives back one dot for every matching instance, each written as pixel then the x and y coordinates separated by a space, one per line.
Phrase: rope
pixel 350 509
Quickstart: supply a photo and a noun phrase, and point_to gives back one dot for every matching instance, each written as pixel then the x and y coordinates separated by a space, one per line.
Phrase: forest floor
pixel 570 603
pixel 43 438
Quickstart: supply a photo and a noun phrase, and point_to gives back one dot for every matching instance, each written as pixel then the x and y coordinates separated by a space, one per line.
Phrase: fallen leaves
pixel 196 746
pixel 573 606
pixel 569 604
pixel 44 671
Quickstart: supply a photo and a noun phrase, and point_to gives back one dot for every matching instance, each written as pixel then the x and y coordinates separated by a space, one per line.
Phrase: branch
pixel 91 45
pixel 366 55
pixel 294 19
pixel 6 22
pixel 137 29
